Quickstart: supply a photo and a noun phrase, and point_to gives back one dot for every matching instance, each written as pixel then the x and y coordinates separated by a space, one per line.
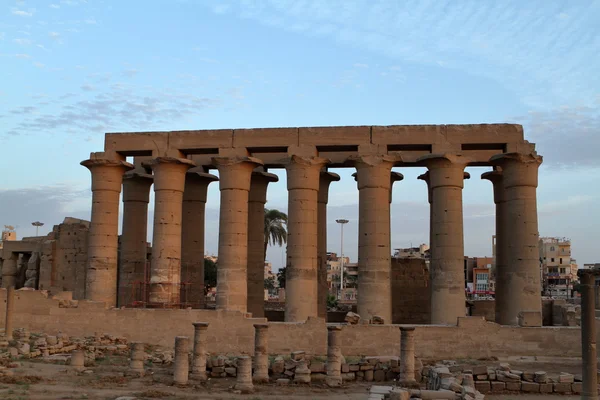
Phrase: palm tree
pixel 275 228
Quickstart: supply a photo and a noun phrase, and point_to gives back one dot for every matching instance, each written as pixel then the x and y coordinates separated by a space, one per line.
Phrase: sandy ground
pixel 37 380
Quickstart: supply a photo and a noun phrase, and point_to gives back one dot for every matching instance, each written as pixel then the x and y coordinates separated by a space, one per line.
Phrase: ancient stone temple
pixel 177 166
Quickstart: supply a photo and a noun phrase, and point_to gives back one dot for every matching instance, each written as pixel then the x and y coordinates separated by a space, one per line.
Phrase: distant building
pixel 413 252
pixel 556 266
pixel 480 276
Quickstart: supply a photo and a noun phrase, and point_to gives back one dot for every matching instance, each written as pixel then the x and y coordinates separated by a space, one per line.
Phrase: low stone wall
pixel 233 333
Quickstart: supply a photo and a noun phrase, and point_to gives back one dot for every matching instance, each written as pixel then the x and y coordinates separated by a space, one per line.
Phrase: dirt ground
pixel 37 380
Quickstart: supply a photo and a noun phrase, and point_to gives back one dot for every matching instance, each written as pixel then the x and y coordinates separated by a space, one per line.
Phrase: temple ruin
pixel 177 166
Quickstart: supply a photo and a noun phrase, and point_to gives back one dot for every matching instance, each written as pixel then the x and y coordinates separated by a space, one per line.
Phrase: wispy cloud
pixel 130 73
pixel 54 6
pixel 22 13
pixel 54 35
pixel 550 44
pixel 22 56
pixel 22 41
pixel 566 136
pixel 122 107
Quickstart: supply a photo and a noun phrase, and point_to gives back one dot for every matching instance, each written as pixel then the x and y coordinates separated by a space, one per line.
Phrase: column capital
pixel 200 325
pixel 374 171
pixel 518 169
pixel 303 171
pixel 153 163
pixel 107 174
pixel 261 326
pixel 196 184
pixel 169 172
pixel 374 160
pixel 496 177
pixel 334 327
pixel 235 172
pixel 528 158
pixel 444 160
pixel 325 180
pixel 445 169
pixel 396 177
pixel 138 175
pixel 259 182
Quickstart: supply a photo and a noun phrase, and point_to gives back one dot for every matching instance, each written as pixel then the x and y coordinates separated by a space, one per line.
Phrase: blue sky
pixel 73 69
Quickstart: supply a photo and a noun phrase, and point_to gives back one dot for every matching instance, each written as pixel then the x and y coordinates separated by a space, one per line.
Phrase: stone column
pixel 446 181
pixel 588 336
pixel 256 241
pixel 425 178
pixel 165 266
pixel 522 271
pixel 322 289
pixel 334 356
pixel 261 353
pixel 192 236
pixel 374 252
pixel 235 177
pixel 597 297
pixel 181 362
pixel 503 290
pixel 101 272
pixel 9 270
pixel 10 305
pixel 199 351
pixel 137 355
pixel 301 272
pixel 244 375
pixel 136 195
pixel 77 360
pixel 407 356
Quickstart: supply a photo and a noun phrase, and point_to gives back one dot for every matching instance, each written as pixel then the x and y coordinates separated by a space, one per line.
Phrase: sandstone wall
pixel 64 257
pixel 411 302
pixel 484 308
pixel 231 332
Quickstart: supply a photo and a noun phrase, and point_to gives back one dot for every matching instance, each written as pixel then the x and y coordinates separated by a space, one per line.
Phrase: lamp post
pixel 342 222
pixel 37 225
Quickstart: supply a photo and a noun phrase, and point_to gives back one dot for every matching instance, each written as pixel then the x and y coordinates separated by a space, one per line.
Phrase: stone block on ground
pixel 561 387
pixel 483 386
pixel 352 318
pixel 530 387
pixel 565 377
pixel 513 386
pixel 498 386
pixel 577 387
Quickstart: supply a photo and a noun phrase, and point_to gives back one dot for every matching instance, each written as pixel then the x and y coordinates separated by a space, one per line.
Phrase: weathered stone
pixel 545 388
pixel 565 377
pixel 379 375
pixel 369 375
pixel 479 370
pixel 540 377
pixel 530 387
pixel 483 386
pixel 577 387
pixel 513 386
pixel 349 376
pixel 298 355
pixel 282 382
pixel 317 367
pixel 230 371
pixel 352 318
pixel 377 320
pixel 497 386
pixel 561 387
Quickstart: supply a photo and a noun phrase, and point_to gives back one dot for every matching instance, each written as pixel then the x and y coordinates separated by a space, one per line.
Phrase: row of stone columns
pixel 180 192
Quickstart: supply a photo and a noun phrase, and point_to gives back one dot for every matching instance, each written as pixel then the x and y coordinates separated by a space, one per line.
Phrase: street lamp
pixel 37 225
pixel 342 222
